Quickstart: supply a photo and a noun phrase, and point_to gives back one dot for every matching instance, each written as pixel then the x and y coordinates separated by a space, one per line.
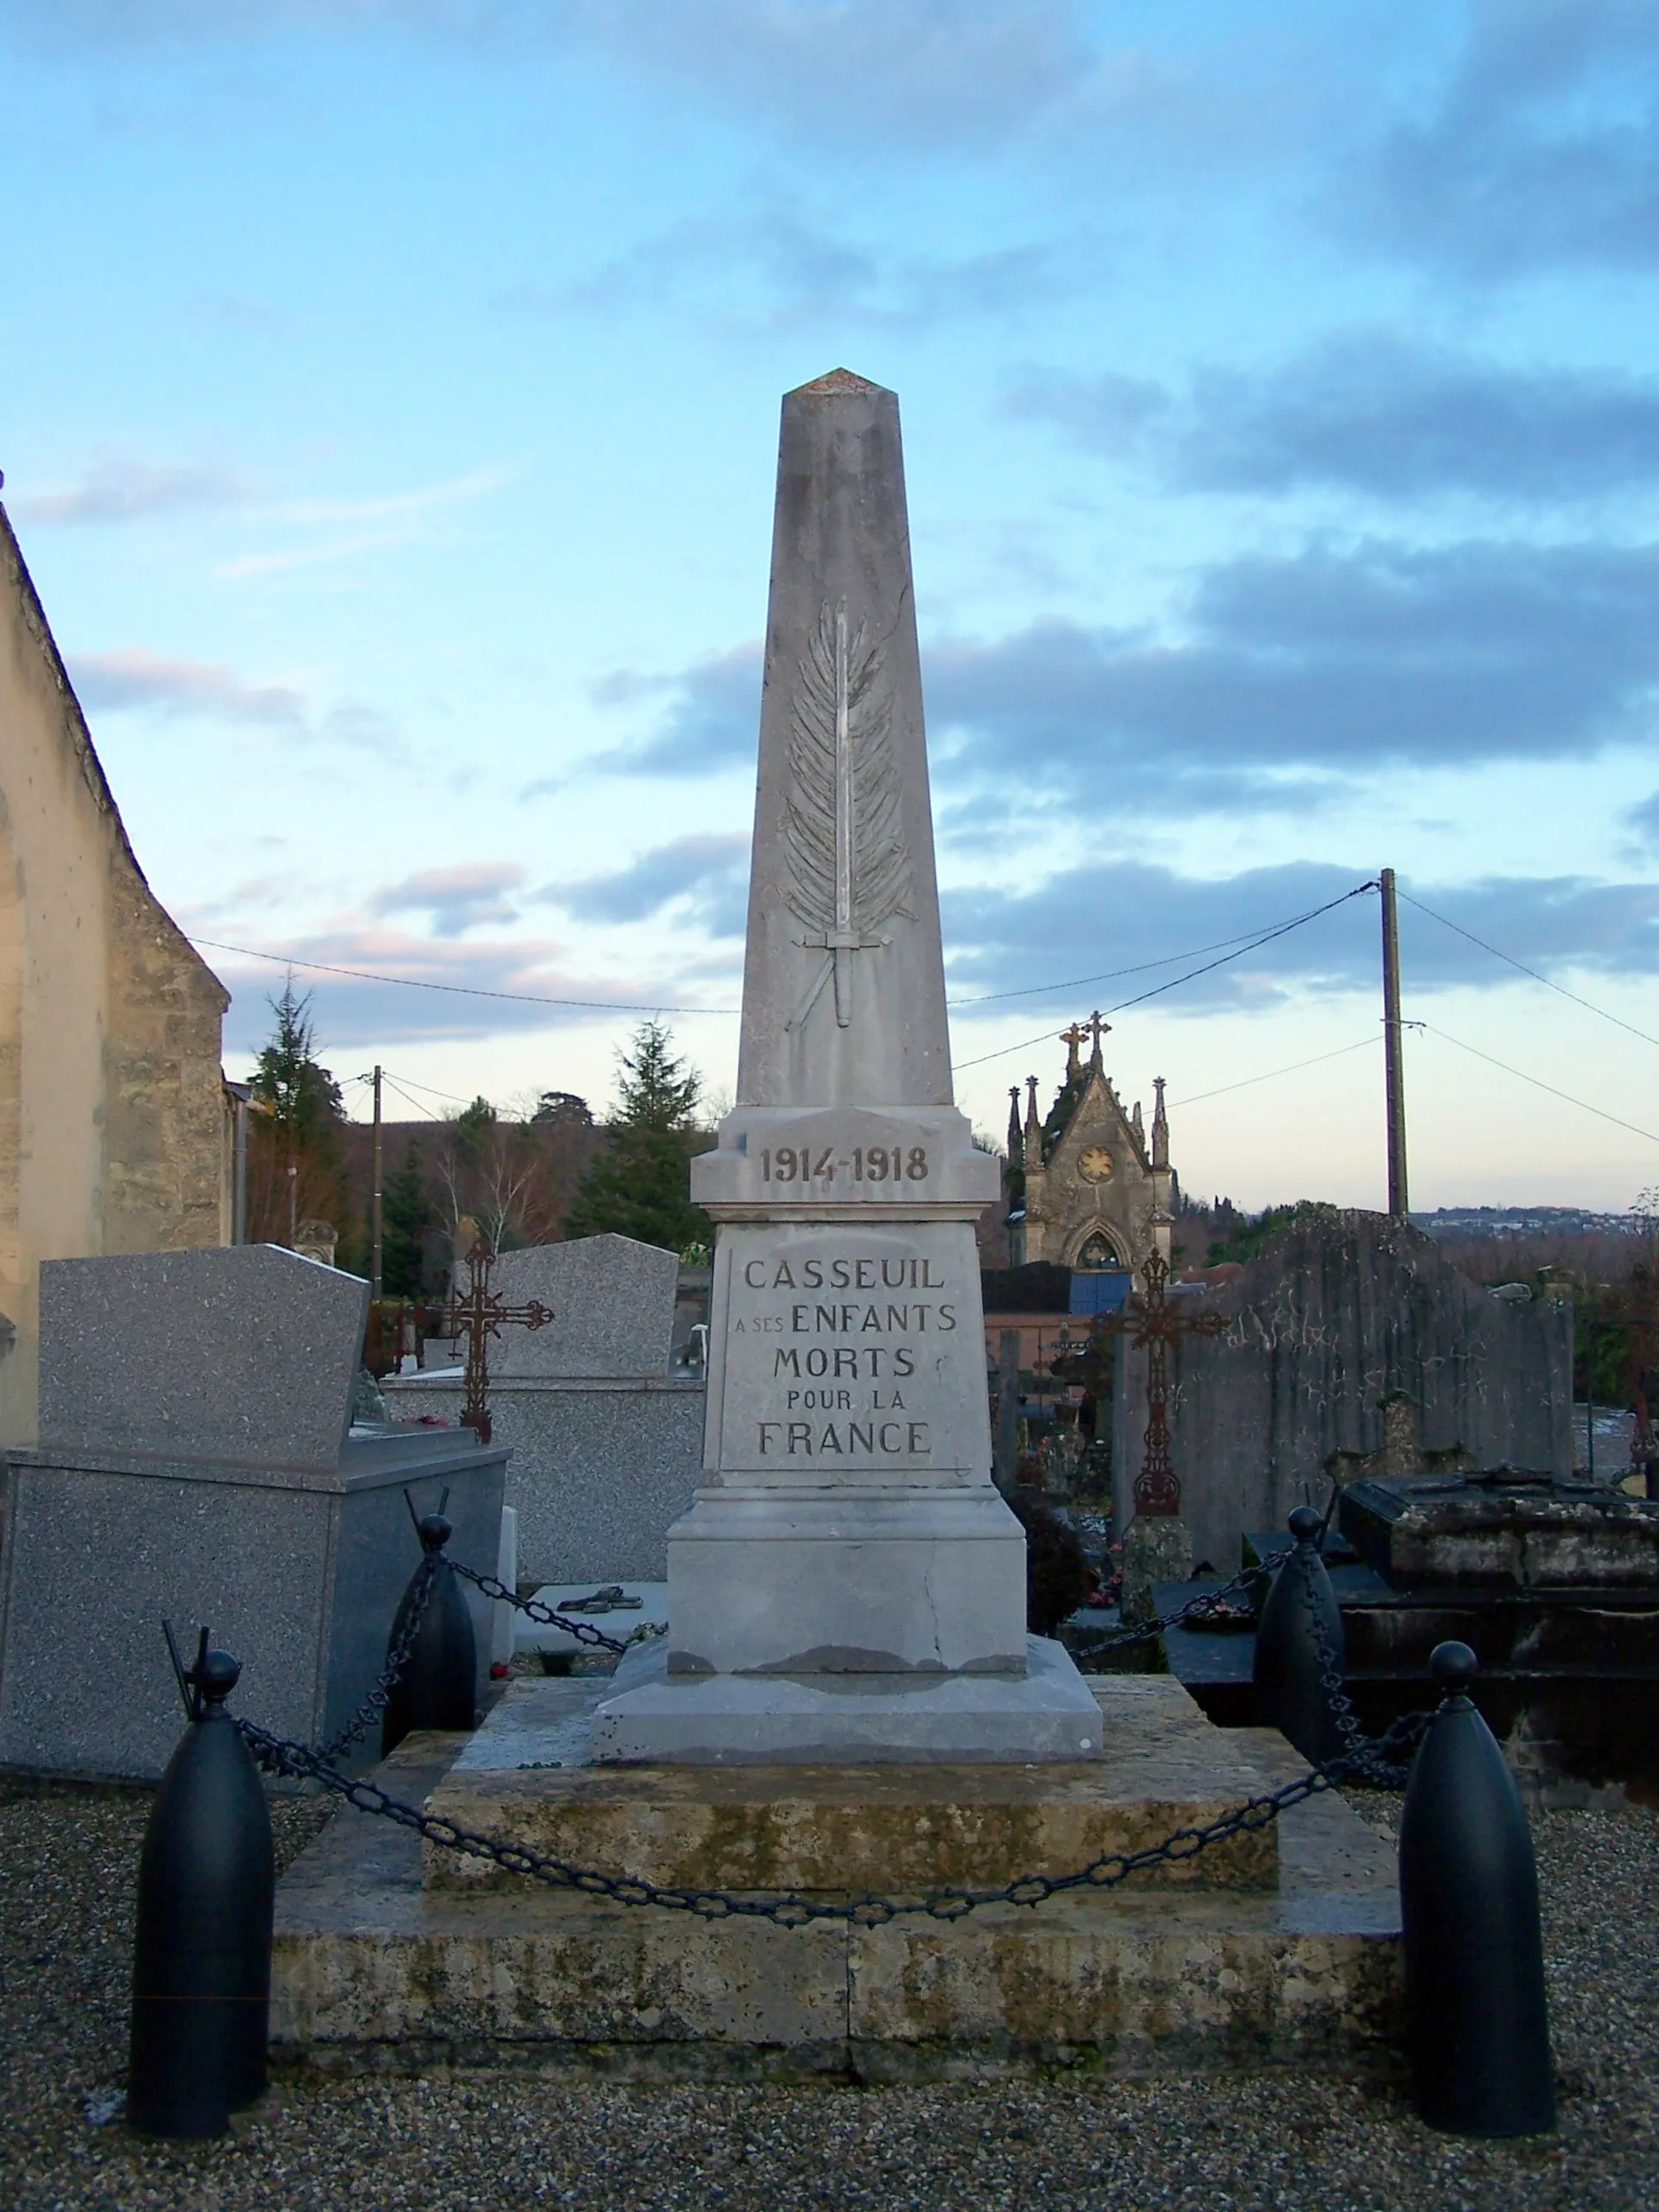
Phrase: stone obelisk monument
pixel 849 1584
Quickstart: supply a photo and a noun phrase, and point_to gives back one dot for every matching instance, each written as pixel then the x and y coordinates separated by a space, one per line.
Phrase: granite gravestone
pixel 605 1434
pixel 1341 1314
pixel 196 1461
pixel 849 1579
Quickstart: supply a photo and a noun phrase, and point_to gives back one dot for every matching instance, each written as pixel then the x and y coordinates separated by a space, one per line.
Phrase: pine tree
pixel 304 1099
pixel 405 1217
pixel 639 1185
pixel 296 1145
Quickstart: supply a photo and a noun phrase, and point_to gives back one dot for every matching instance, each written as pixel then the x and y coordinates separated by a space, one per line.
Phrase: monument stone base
pixel 816 1720
pixel 1278 1949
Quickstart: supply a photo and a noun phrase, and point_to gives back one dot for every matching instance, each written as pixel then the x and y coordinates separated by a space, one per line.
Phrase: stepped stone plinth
pixel 1279 1950
pixel 842 1828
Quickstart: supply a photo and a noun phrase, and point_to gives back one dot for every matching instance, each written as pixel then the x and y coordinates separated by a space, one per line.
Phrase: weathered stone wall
pixel 1339 1311
pixel 113 1132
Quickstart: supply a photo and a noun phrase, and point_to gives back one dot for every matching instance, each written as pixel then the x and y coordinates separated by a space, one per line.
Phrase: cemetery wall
pixel 113 1131
pixel 1338 1312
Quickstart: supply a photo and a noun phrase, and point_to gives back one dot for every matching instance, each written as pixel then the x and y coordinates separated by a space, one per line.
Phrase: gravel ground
pixel 66 1862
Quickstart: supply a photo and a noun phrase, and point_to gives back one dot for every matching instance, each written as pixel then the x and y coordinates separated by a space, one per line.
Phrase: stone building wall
pixel 114 1135
pixel 1341 1310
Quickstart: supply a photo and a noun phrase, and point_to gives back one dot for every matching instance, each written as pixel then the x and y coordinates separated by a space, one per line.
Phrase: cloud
pixel 392 518
pixel 135 681
pixel 933 73
pixel 1324 663
pixel 1000 940
pixel 1644 818
pixel 455 899
pixel 710 871
pixel 369 1009
pixel 134 678
pixel 1280 678
pixel 710 721
pixel 1539 150
pixel 778 270
pixel 1370 412
pixel 116 491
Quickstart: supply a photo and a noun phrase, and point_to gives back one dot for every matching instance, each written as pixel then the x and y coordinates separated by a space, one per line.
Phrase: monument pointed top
pixel 843 991
pixel 837 381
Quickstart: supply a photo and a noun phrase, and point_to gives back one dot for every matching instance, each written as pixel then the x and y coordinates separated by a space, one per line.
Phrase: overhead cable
pixel 1509 958
pixel 1266 936
pixel 1274 1073
pixel 1537 1082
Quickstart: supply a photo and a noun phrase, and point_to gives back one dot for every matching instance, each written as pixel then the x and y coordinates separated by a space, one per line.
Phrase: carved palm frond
pixel 880 863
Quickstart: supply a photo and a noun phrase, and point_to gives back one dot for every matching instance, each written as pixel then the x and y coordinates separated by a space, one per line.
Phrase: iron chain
pixel 1207 1603
pixel 1366 1756
pixel 1361 1759
pixel 790 1910
pixel 391 1675
pixel 583 1630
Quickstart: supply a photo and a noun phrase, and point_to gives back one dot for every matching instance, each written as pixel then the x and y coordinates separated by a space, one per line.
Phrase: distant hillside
pixel 1463 1224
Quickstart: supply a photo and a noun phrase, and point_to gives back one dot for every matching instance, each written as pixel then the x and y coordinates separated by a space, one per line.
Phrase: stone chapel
pixel 115 1131
pixel 1088 1187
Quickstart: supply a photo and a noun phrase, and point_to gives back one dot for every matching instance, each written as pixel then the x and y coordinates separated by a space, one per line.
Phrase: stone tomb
pixel 196 1461
pixel 606 1437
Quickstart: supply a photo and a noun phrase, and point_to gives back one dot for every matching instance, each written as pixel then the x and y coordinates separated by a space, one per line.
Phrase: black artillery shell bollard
pixel 439 1685
pixel 1289 1670
pixel 201 1966
pixel 1477 2017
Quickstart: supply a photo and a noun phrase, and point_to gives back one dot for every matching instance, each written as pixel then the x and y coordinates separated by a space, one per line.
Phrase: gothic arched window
pixel 1097 1252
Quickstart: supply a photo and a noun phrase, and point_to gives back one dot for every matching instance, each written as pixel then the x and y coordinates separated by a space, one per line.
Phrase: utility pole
pixel 1399 1204
pixel 374 1269
pixel 239 1094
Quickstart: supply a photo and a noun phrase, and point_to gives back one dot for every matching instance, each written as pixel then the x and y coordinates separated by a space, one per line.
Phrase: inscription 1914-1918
pixel 863 1162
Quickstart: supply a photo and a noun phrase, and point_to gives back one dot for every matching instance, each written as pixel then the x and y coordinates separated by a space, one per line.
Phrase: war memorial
pixel 846 1704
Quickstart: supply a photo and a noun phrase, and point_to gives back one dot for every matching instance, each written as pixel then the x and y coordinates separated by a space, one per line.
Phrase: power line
pixel 1107 975
pixel 1275 1071
pixel 1537 1082
pixel 422 1111
pixel 635 1006
pixel 458 990
pixel 1510 959
pixel 1265 936
pixel 431 1090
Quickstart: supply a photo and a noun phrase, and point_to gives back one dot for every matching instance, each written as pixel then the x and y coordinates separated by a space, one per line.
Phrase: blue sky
pixel 388 397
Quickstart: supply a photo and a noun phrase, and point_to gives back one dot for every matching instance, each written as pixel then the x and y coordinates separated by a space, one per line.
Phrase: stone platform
pixel 1278 1949
pixel 841 1829
pixel 650 1714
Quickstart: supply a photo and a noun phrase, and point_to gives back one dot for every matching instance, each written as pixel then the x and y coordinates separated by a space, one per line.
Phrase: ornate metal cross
pixel 1152 1323
pixel 478 1315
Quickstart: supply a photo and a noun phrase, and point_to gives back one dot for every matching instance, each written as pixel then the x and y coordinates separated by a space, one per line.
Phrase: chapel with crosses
pixel 1088 1187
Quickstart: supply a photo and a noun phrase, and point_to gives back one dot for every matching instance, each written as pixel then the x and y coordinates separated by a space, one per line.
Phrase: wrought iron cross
pixel 478 1315
pixel 1152 1323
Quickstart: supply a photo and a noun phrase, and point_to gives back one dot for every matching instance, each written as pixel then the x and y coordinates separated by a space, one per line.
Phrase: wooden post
pixel 376 1282
pixel 1007 1455
pixel 1399 1203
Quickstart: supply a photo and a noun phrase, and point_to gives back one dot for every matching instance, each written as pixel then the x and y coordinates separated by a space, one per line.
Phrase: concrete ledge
pixel 648 1714
pixel 374 1971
